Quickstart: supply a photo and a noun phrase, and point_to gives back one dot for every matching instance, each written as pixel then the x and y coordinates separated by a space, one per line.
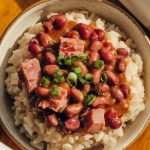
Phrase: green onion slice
pixel 55 90
pixel 88 77
pixel 99 64
pixel 60 59
pixel 104 77
pixel 45 81
pixel 59 78
pixel 89 99
pixel 72 79
pixel 78 71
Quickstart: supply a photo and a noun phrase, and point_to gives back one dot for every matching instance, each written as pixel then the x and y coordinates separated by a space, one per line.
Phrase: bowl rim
pixel 8 28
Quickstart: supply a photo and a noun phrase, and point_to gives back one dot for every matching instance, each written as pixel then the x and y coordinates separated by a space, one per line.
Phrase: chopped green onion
pixel 58 72
pixel 60 59
pixel 55 90
pixel 88 77
pixel 59 78
pixel 83 57
pixel 72 79
pixel 99 64
pixel 103 77
pixel 68 61
pixel 45 81
pixel 77 70
pixel 89 99
pixel 82 80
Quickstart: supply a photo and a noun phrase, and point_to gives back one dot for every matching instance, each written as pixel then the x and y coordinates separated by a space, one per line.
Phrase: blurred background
pixel 9 9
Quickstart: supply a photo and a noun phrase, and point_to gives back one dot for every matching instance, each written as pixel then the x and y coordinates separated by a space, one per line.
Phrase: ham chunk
pixel 94 121
pixel 31 72
pixel 59 103
pixel 71 46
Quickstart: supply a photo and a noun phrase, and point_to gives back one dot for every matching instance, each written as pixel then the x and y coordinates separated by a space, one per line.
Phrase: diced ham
pixel 100 100
pixel 94 121
pixel 59 103
pixel 31 71
pixel 71 46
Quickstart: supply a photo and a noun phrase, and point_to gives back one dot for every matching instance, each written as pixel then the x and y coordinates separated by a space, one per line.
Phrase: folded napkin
pixel 4 147
pixel 140 9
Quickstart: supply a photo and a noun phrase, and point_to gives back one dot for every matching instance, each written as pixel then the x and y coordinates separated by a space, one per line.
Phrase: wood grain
pixel 9 9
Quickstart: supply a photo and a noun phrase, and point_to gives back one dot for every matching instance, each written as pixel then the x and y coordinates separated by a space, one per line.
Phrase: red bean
pixel 50 58
pixel 72 124
pixel 97 34
pixel 43 104
pixel 87 52
pixel 60 22
pixel 77 95
pixel 125 89
pixel 122 52
pixel 117 94
pixel 83 31
pixel 96 46
pixel 107 46
pixel 120 66
pixel 112 119
pixel 73 109
pixel 112 79
pixel 34 47
pixel 86 88
pixel 52 120
pixel 82 66
pixel 42 91
pixel 100 100
pixel 48 27
pixel 103 88
pixel 109 67
pixel 65 86
pixel 96 73
pixel 50 69
pixel 44 39
pixel 94 56
pixel 73 34
pixel 106 56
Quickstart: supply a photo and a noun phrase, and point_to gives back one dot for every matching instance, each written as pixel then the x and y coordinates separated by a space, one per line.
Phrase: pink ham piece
pixel 59 103
pixel 71 46
pixel 31 71
pixel 94 121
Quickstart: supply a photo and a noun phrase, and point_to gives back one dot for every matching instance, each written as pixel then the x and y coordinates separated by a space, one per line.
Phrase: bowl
pixel 105 10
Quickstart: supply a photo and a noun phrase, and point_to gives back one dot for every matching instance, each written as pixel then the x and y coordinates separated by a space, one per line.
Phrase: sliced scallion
pixel 45 81
pixel 72 79
pixel 99 64
pixel 89 99
pixel 55 90
pixel 104 77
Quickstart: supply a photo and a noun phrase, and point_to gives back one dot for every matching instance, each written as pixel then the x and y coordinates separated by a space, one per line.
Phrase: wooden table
pixel 9 9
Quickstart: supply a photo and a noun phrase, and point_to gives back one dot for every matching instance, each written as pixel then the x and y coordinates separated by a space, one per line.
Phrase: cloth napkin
pixel 140 9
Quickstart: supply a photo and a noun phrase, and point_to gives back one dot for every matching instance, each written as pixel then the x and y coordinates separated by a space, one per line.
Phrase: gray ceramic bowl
pixel 105 10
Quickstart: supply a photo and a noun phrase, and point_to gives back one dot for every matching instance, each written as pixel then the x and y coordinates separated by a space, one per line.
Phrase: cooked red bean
pixel 43 104
pixel 87 52
pixel 60 21
pixel 50 69
pixel 125 89
pixel 109 67
pixel 65 85
pixel 117 94
pixel 112 119
pixel 107 46
pixel 96 73
pixel 77 95
pixel 112 79
pixel 82 66
pixel 34 47
pixel 100 100
pixel 73 109
pixel 86 88
pixel 121 66
pixel 52 120
pixel 83 31
pixel 50 58
pixel 44 39
pixel 97 34
pixel 96 46
pixel 122 52
pixel 73 34
pixel 106 56
pixel 72 124
pixel 42 91
pixel 94 56
pixel 48 27
pixel 103 88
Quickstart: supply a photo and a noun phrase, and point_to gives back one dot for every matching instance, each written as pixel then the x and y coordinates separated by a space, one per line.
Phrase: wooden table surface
pixel 9 9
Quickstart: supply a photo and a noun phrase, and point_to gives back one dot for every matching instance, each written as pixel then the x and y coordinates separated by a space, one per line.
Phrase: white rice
pixel 36 130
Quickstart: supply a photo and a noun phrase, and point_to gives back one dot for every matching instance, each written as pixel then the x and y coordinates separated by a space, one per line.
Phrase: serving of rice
pixel 37 131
